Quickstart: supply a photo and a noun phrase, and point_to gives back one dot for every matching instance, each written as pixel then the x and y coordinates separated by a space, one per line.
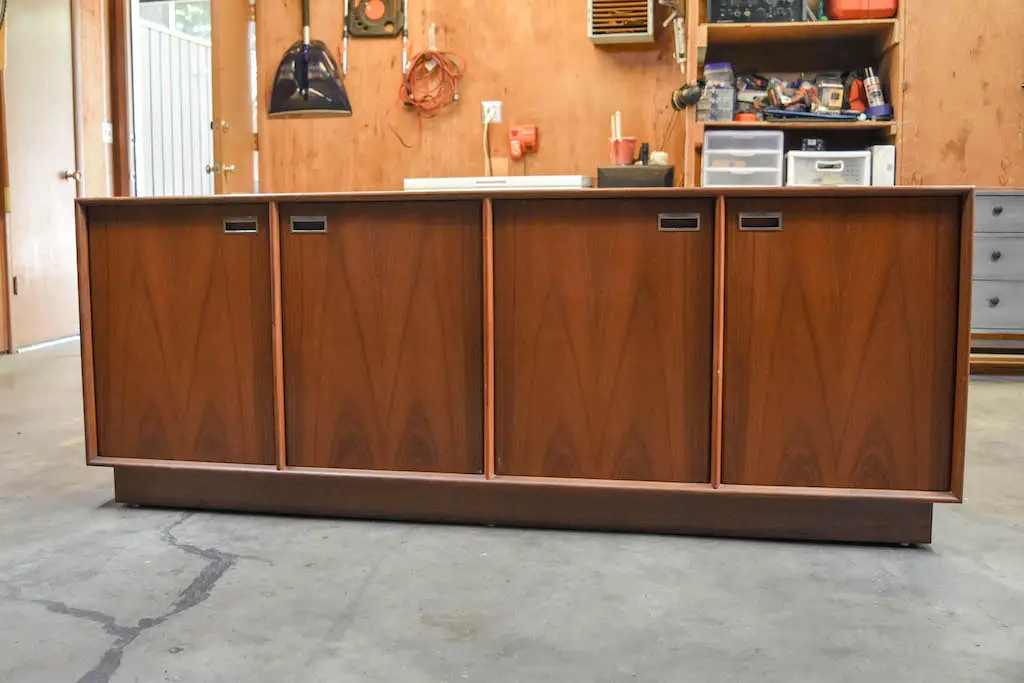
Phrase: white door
pixel 40 121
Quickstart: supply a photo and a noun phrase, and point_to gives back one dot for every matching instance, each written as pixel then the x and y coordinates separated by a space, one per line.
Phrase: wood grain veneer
pixel 603 336
pixel 476 500
pixel 383 336
pixel 840 344
pixel 181 324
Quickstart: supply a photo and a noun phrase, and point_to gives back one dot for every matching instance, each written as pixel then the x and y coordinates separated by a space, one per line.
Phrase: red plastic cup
pixel 622 151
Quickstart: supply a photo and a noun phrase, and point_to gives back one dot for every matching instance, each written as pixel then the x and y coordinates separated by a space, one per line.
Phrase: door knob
pixel 996 255
pixel 214 168
pixel 997 211
pixel 993 302
pixel 72 175
pixel 229 168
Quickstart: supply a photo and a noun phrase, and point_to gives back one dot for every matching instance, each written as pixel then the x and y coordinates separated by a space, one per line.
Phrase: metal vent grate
pixel 621 21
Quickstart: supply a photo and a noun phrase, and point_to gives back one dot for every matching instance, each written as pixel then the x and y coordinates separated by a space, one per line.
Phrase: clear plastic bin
pixel 744 141
pixel 742 177
pixel 812 169
pixel 741 159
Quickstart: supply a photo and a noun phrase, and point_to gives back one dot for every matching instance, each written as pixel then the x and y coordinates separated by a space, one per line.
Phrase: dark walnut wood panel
pixel 383 336
pixel 840 344
pixel 603 336
pixel 447 499
pixel 181 319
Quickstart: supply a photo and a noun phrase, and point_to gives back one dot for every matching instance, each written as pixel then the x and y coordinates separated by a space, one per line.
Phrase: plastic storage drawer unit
pixel 813 169
pixel 743 158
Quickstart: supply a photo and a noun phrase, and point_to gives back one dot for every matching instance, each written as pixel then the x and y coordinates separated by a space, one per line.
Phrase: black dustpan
pixel 307 82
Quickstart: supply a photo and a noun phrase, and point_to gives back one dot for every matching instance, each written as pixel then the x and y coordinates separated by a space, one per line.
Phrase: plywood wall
pixel 963 115
pixel 94 42
pixel 534 55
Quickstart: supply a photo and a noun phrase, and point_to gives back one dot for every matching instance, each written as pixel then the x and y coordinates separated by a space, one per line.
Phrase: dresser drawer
pixel 999 257
pixel 997 306
pixel 999 213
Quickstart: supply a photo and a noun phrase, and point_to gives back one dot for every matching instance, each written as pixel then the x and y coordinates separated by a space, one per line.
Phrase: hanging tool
pixel 678 20
pixel 307 82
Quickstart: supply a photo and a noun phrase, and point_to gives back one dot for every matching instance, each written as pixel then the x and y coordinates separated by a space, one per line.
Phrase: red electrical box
pixel 521 139
pixel 862 9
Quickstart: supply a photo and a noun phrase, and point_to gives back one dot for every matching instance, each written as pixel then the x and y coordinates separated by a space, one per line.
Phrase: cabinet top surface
pixel 620 193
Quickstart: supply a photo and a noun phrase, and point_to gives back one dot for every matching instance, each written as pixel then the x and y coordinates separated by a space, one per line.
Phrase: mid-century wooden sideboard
pixel 786 363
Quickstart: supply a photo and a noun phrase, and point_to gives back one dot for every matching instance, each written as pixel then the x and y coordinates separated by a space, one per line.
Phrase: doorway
pixel 193 105
pixel 40 175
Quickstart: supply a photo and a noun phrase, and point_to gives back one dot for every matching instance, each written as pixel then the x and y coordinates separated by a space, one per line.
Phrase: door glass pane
pixel 172 98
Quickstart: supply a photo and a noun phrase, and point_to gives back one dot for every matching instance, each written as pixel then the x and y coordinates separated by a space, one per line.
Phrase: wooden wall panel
pixel 181 315
pixel 93 44
pixel 383 337
pixel 603 335
pixel 964 103
pixel 533 55
pixel 840 344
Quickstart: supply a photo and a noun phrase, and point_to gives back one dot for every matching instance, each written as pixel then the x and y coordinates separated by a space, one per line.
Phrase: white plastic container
pixel 883 165
pixel 815 169
pixel 742 177
pixel 744 141
pixel 738 158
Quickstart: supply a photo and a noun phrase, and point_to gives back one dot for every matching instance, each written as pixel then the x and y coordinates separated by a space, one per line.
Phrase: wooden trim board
pixel 85 330
pixel 278 335
pixel 488 280
pixel 718 345
pixel 521 504
pixel 963 347
pixel 997 364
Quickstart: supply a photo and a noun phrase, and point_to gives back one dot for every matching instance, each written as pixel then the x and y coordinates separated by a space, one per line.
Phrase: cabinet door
pixel 963 112
pixel 383 335
pixel 603 334
pixel 181 314
pixel 840 335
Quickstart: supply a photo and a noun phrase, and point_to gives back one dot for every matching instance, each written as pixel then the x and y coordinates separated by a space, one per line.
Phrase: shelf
pixel 801 125
pixel 883 30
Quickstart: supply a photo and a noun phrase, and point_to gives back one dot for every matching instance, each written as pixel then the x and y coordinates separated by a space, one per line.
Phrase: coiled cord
pixel 430 84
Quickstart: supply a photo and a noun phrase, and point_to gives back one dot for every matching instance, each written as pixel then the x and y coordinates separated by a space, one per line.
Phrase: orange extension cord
pixel 431 84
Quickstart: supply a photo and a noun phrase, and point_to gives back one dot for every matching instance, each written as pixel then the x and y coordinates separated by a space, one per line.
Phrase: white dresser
pixel 997 307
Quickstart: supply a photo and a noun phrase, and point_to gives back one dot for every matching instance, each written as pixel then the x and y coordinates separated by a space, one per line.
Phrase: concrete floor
pixel 93 592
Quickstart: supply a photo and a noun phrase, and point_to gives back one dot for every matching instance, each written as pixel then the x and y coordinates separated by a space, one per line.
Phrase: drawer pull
pixel 993 302
pixel 997 210
pixel 996 255
pixel 679 222
pixel 309 224
pixel 766 221
pixel 240 226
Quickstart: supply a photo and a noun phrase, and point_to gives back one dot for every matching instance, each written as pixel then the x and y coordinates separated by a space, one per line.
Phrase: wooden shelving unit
pixel 801 125
pixel 797 47
pixel 885 30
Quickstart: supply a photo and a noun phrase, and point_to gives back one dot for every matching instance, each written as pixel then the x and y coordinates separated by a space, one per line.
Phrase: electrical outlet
pixel 108 132
pixel 491 110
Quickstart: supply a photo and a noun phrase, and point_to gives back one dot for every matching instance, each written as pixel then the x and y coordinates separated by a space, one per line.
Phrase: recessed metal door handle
pixel 761 221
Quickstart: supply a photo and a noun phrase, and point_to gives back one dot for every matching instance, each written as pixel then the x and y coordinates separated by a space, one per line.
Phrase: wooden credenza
pixel 774 363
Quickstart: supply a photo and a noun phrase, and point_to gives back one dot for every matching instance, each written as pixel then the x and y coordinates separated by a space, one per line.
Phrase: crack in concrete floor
pixel 201 587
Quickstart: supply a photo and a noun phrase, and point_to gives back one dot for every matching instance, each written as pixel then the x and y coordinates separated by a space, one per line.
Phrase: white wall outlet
pixel 108 132
pixel 491 110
